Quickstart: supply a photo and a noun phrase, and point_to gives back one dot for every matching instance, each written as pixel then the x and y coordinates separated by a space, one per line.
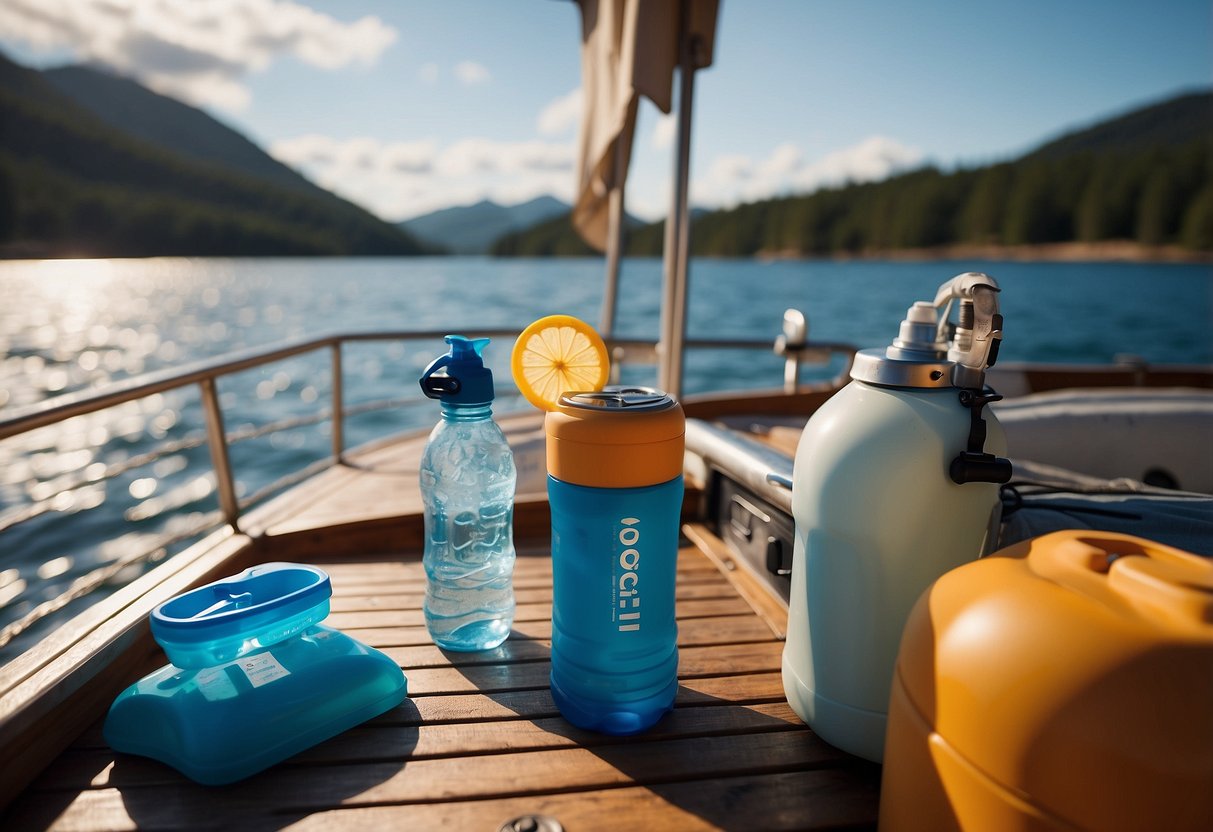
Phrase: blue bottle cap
pixel 466 380
pixel 234 616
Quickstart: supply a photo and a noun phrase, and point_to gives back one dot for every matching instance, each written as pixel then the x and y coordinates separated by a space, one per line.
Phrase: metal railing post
pixel 791 345
pixel 338 404
pixel 216 438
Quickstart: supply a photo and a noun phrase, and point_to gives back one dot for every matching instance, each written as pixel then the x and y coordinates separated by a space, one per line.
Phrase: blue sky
pixel 406 107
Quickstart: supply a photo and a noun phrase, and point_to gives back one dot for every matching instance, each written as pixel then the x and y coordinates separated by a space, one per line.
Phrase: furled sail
pixel 629 48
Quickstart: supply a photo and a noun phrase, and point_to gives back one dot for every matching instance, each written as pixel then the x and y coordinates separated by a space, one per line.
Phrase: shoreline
pixel 1107 251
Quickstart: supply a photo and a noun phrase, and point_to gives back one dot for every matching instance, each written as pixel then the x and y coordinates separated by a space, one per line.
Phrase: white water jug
pixel 895 482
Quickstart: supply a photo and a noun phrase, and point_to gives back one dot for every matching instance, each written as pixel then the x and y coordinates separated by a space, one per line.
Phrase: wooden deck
pixel 479 740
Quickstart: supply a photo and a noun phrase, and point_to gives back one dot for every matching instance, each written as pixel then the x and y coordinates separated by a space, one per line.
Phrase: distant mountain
pixel 551 238
pixel 125 105
pixel 536 210
pixel 472 229
pixel 1144 176
pixel 1172 123
pixel 556 237
pixel 75 182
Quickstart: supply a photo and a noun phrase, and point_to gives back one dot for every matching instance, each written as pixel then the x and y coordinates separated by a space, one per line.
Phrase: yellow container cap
pixel 618 437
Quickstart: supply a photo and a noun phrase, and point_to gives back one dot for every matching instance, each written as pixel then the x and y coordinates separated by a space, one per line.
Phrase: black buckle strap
pixel 974 464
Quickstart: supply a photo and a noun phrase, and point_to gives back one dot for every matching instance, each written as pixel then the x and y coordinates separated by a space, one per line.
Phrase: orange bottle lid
pixel 617 437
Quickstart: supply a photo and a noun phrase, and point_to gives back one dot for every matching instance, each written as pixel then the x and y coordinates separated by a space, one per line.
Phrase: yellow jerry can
pixel 1064 682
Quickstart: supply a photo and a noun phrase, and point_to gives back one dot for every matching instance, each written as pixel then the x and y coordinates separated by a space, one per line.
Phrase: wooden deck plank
pixel 793 801
pixel 830 798
pixel 378 742
pixel 690 583
pixel 718 629
pixel 709 691
pixel 692 608
pixel 453 739
pixel 298 788
pixel 692 662
pixel 412 598
pixel 405 568
pixel 772 610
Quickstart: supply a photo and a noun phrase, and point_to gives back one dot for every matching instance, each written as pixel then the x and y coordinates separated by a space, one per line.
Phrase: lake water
pixel 67 326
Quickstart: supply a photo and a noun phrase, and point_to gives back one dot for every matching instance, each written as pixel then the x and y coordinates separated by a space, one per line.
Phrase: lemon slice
pixel 556 355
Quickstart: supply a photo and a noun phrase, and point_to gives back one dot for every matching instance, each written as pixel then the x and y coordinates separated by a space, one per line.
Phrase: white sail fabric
pixel 629 48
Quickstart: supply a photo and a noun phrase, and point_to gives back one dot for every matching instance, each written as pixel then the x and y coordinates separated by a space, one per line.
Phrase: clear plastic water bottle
pixel 467 484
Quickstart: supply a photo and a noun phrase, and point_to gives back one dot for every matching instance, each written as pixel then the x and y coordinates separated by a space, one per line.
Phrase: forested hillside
pixel 72 184
pixel 1145 177
pixel 127 106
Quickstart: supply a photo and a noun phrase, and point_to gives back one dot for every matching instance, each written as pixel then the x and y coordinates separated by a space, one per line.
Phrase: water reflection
pixel 67 326
pixel 81 501
pixel 54 567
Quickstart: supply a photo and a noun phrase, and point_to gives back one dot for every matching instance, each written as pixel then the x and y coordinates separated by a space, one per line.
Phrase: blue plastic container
pixel 254 678
pixel 615 488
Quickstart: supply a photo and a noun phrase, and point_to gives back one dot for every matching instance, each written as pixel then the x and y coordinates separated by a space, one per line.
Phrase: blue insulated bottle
pixel 615 489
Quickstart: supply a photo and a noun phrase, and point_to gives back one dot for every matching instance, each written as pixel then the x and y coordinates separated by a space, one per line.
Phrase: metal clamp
pixel 974 464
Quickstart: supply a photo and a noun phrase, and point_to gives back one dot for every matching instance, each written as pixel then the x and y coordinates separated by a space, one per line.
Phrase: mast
pixel 691 55
pixel 629 50
pixel 614 252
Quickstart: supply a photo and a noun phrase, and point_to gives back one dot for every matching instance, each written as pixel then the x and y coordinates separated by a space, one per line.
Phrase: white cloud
pixel 731 179
pixel 562 114
pixel 784 161
pixel 316 151
pixel 408 157
pixel 403 179
pixel 665 131
pixel 398 180
pixel 470 72
pixel 199 51
pixel 469 157
pixel 872 159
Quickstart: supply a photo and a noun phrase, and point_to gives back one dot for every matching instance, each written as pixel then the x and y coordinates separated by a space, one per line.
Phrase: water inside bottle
pixel 468 479
pixel 469 600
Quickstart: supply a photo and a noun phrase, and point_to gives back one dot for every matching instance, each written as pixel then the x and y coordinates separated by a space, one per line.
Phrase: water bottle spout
pixel 459 376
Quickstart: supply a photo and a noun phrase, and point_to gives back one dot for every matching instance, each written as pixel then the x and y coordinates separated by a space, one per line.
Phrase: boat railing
pixel 206 375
